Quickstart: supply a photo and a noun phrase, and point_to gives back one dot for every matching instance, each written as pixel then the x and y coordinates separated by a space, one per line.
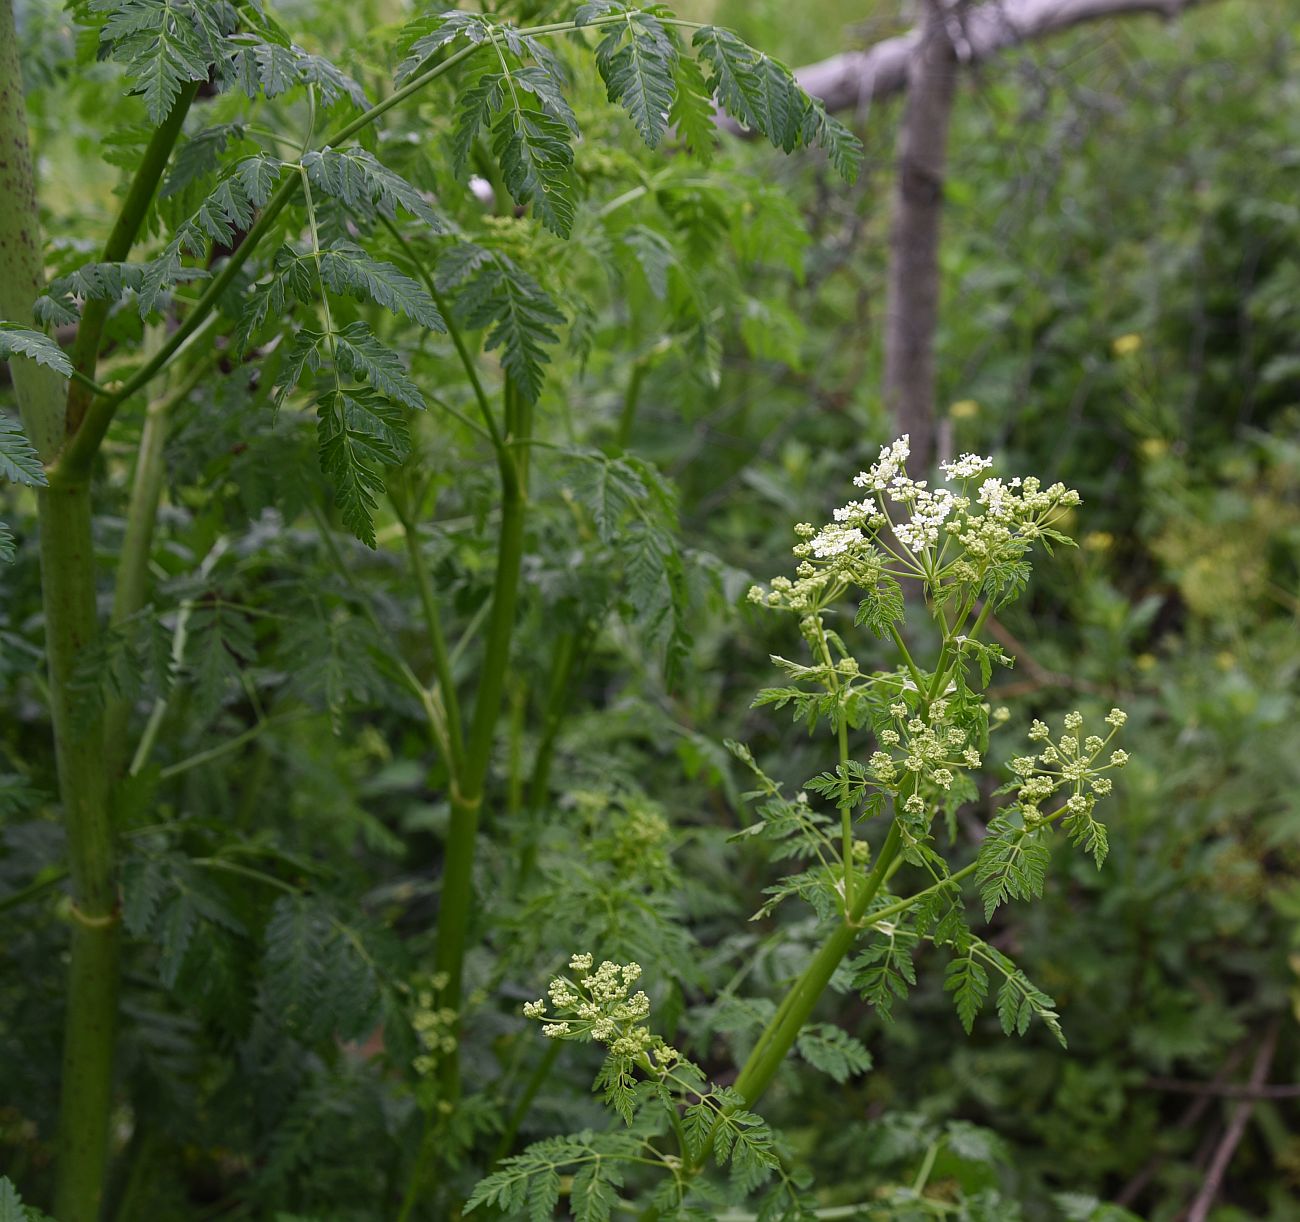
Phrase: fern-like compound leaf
pixel 345 268
pixel 761 93
pixel 968 982
pixel 359 433
pixel 536 159
pixel 164 44
pixel 18 459
pixel 637 60
pixel 360 353
pixel 520 315
pixel 22 341
pixel 366 185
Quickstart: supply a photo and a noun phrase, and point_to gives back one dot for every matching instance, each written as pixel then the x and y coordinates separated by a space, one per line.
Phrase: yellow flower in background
pixel 1225 660
pixel 1098 541
pixel 1126 345
pixel 1152 448
pixel 964 409
pixel 1145 661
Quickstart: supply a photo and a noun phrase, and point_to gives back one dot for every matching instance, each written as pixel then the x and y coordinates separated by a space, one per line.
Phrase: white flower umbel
pixel 893 459
pixel 903 528
pixel 968 466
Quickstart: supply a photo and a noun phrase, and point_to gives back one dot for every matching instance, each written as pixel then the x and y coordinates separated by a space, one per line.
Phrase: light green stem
pixel 631 397
pixel 456 907
pixel 405 509
pixel 536 1080
pixel 68 593
pixel 131 583
pixel 149 171
pixel 784 1027
pixel 779 1037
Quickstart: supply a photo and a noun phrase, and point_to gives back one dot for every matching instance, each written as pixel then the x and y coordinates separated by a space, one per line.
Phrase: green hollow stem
pixel 434 632
pixel 631 398
pixel 796 1007
pixel 131 583
pixel 782 1031
pixel 457 904
pixel 536 1080
pixel 149 171
pixel 68 592
pixel 67 563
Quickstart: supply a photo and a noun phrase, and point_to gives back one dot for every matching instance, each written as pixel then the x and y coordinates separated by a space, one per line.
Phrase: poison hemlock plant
pixel 967 546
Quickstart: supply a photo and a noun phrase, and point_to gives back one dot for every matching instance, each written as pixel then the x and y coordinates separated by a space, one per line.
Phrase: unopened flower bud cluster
pixel 921 750
pixel 598 1003
pixel 1069 762
pixel 435 1029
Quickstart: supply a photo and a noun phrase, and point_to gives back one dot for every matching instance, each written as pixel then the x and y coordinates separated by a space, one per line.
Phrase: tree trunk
pixel 912 295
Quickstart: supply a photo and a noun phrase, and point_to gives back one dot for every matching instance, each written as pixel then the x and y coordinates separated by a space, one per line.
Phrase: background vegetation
pixel 1121 300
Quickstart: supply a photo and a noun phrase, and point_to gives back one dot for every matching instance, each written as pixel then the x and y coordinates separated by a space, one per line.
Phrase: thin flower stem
pixel 565 661
pixel 179 640
pixel 927 1166
pixel 842 738
pixel 901 645
pixel 467 360
pixel 232 744
pixel 402 505
pixel 536 1080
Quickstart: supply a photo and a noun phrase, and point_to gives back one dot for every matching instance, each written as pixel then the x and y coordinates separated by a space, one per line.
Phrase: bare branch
pixel 1223 1090
pixel 1205 1198
pixel 854 78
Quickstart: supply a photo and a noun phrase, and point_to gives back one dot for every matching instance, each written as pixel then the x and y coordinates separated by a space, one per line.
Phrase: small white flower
pixel 834 540
pixel 886 468
pixel 966 467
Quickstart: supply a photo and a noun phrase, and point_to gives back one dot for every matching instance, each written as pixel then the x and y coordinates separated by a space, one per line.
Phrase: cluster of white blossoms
pixel 905 527
pixel 599 1004
pixel 928 750
pixel 1068 763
